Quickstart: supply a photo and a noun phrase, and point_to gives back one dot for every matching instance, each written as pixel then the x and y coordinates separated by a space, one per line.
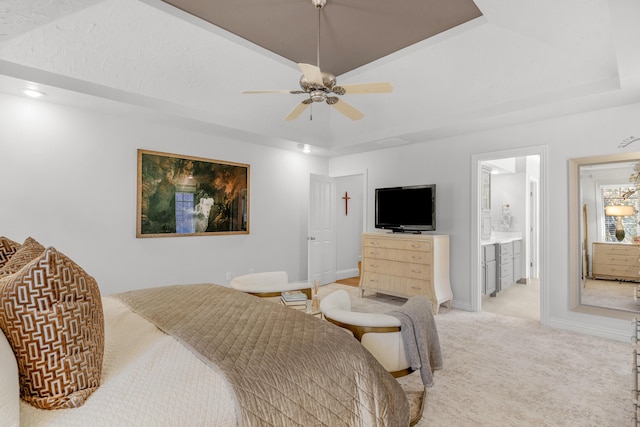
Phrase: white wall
pixel 508 189
pixel 69 180
pixel 447 163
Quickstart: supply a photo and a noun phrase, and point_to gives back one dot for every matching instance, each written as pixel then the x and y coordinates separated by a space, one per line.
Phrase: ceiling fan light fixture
pixel 328 80
pixel 318 96
pixel 320 85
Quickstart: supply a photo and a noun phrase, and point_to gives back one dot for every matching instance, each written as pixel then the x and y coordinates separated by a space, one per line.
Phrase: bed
pixel 209 355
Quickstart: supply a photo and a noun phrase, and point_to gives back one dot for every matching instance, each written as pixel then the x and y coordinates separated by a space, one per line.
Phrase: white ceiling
pixel 523 60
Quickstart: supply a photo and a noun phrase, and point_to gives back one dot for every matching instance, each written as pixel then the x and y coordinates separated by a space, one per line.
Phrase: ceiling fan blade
pixel 347 110
pixel 295 113
pixel 311 73
pixel 272 91
pixel 381 87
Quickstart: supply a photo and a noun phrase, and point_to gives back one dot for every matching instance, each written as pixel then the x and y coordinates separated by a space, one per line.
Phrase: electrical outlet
pixel 228 275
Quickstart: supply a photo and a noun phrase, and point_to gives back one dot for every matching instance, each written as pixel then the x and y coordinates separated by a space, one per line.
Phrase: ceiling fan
pixel 322 87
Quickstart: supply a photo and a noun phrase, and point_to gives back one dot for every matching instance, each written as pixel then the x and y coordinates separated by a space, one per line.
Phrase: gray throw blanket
pixel 420 336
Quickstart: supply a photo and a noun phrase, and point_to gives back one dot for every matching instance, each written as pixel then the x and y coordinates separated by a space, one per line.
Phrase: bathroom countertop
pixel 502 237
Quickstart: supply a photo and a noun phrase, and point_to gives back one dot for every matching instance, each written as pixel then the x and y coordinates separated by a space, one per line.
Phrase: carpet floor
pixel 611 294
pixel 505 371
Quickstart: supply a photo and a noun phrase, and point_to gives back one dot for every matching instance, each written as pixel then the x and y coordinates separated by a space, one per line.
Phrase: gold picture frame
pixel 182 195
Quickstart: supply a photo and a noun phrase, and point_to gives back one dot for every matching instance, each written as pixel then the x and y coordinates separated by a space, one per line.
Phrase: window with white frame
pixel 619 195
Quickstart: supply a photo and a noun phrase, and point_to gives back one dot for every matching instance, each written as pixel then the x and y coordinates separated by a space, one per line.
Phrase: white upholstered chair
pixel 379 333
pixel 268 284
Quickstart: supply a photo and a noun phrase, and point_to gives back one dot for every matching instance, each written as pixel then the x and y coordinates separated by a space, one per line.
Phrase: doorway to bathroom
pixel 508 236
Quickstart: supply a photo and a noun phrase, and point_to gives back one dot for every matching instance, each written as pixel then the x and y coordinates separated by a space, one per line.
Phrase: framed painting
pixel 190 196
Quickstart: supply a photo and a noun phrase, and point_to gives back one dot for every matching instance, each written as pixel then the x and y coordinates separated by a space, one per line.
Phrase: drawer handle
pixel 374 280
pixel 416 246
pixel 374 243
pixel 416 288
pixel 416 257
pixel 373 253
pixel 416 271
pixel 374 266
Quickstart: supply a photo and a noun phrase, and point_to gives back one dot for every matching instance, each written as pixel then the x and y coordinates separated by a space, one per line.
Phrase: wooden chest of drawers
pixel 407 265
pixel 616 261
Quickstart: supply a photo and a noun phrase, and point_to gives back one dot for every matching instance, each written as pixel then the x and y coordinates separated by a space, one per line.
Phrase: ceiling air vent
pixel 392 142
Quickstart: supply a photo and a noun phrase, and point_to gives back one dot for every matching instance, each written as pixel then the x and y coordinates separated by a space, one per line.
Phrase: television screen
pixel 411 208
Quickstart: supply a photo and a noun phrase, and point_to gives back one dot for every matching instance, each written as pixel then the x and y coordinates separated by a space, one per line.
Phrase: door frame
pixel 543 221
pixel 532 258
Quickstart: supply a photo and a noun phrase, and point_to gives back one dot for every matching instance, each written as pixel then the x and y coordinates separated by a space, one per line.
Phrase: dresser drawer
pixel 396 285
pixel 612 270
pixel 617 259
pixel 602 249
pixel 397 255
pixel 396 268
pixel 423 246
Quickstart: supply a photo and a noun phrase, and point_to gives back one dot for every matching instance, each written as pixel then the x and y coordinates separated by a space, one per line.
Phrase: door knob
pixel 311 238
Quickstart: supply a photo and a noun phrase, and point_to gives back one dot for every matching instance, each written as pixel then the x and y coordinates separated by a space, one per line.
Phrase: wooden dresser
pixel 616 261
pixel 407 264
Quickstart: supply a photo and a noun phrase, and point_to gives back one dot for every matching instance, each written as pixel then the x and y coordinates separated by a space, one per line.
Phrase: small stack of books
pixel 294 299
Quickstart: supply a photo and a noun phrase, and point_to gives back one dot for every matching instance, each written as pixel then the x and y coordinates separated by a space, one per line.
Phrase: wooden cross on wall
pixel 346 203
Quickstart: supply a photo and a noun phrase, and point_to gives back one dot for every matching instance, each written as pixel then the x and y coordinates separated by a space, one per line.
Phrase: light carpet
pixel 505 371
pixel 611 294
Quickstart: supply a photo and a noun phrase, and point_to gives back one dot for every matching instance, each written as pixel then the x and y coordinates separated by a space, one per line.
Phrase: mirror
pixel 604 222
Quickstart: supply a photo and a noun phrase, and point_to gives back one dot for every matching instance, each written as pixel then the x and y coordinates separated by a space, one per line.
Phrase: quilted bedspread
pixel 286 368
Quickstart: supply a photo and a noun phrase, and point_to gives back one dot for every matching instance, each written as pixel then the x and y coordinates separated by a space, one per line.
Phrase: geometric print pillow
pixel 29 250
pixel 7 248
pixel 51 313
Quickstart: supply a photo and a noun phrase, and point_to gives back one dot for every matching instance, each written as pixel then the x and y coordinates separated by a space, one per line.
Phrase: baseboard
pixel 598 331
pixel 461 305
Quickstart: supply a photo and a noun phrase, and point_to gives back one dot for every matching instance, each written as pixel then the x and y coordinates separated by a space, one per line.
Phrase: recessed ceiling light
pixel 33 93
pixel 306 148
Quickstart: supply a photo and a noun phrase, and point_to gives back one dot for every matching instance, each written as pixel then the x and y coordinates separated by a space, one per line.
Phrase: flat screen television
pixel 406 209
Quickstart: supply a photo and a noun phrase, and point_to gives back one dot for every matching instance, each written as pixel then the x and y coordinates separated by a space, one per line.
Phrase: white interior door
pixel 321 237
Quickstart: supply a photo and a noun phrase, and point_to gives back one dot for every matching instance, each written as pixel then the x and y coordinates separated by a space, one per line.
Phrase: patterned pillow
pixel 7 249
pixel 30 249
pixel 52 316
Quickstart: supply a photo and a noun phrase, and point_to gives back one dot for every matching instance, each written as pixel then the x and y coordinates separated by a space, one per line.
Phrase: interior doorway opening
pixel 507 237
